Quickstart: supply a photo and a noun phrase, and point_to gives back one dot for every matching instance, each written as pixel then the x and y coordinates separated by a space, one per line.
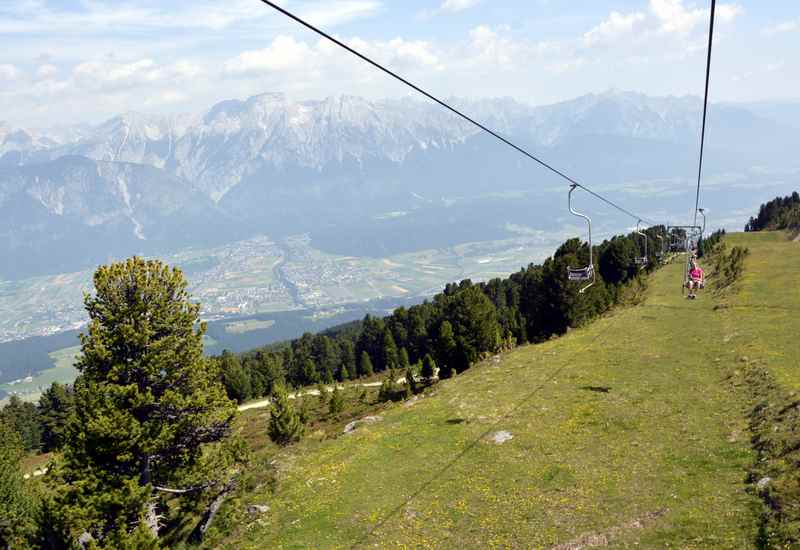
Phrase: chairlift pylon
pixel 581 273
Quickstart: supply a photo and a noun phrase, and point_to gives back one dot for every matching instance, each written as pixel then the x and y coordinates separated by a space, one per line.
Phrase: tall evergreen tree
pixel 285 426
pixel 446 349
pixel 366 365
pixel 56 404
pixel 237 380
pixel 428 368
pixel 387 389
pixel 403 357
pixel 349 360
pixel 336 403
pixel 390 355
pixel 151 418
pixel 24 419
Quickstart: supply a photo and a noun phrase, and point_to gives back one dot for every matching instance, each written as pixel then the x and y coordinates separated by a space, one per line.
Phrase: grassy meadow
pixel 627 433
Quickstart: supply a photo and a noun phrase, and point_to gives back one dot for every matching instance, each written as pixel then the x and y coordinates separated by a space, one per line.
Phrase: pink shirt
pixel 696 273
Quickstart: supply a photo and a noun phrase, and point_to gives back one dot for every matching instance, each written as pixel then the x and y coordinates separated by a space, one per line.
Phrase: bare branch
pixel 187 490
pixel 211 512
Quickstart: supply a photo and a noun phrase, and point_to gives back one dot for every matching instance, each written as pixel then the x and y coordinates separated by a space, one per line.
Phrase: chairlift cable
pixel 705 110
pixel 450 108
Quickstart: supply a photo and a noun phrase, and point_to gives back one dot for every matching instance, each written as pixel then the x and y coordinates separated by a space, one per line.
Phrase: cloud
pixel 9 72
pixel 786 26
pixel 492 47
pixel 416 52
pixel 729 12
pixel 46 71
pixel 166 97
pixel 284 53
pixel 455 6
pixel 340 12
pixel 112 76
pixel 287 54
pixel 94 17
pixel 675 18
pixel 615 26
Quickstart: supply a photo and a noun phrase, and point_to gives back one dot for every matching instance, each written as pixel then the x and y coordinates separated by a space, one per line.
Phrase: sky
pixel 67 62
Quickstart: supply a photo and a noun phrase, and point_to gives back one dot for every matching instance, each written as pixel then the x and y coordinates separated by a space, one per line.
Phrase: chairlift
pixel 660 251
pixel 581 274
pixel 675 244
pixel 641 261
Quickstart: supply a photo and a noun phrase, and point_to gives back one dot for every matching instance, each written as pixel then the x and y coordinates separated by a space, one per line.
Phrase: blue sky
pixel 66 62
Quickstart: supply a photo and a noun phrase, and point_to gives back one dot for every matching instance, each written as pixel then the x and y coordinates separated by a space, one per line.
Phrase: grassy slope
pixel 665 444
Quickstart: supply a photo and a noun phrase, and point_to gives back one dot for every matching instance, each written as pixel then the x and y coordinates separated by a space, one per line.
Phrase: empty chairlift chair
pixel 641 261
pixel 660 251
pixel 581 274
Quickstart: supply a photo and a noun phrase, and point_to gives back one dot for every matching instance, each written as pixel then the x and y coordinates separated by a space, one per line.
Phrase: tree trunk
pixel 151 516
pixel 211 512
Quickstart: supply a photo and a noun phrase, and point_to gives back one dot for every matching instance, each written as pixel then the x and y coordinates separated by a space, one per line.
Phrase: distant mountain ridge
pixel 269 164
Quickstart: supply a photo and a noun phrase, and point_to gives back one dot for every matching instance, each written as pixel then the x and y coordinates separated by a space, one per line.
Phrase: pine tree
pixel 56 404
pixel 151 417
pixel 336 403
pixel 237 380
pixel 411 381
pixel 404 362
pixel 16 504
pixel 349 360
pixel 304 414
pixel 387 390
pixel 284 424
pixel 446 347
pixel 366 365
pixel 428 368
pixel 390 355
pixel 23 418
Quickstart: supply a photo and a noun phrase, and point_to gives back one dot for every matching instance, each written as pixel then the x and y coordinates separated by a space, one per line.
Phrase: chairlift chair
pixel 660 251
pixel 581 274
pixel 641 261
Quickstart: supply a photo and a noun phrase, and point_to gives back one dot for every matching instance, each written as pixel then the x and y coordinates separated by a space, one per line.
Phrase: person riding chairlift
pixel 697 279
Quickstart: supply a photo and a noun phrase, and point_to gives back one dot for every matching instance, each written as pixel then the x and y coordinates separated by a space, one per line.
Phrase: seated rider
pixel 697 279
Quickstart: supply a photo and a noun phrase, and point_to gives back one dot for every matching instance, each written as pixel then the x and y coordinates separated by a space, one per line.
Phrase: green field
pixel 63 372
pixel 242 327
pixel 626 433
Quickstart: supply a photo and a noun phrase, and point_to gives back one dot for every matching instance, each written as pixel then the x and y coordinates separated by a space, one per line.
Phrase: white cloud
pixel 614 27
pixel 566 66
pixel 492 47
pixel 674 17
pixel 33 16
pixel 111 76
pixel 46 71
pixel 416 52
pixel 786 26
pixel 340 12
pixel 455 6
pixel 167 97
pixel 9 72
pixel 729 12
pixel 284 53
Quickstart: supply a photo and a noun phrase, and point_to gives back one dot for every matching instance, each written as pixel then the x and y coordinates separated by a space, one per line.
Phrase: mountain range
pixel 143 183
